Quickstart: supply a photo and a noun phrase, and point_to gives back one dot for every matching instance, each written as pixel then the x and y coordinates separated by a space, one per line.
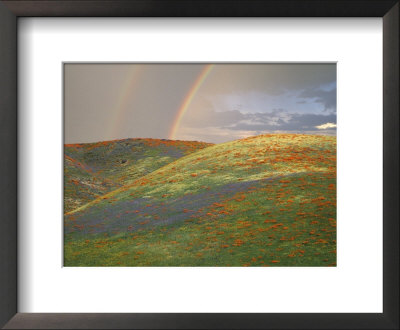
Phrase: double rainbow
pixel 126 92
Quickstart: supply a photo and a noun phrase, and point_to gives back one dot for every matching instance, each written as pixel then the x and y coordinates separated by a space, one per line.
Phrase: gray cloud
pixel 326 98
pixel 272 79
pixel 287 122
pixel 275 120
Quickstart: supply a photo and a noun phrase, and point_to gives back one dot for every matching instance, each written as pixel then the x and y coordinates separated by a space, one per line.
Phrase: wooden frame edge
pixel 8 164
pixel 10 10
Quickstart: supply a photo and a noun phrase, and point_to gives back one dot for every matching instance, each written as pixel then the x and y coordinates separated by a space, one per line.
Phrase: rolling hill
pixel 268 200
pixel 93 169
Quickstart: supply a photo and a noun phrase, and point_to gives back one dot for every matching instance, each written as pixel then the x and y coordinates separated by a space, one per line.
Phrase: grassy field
pixel 268 200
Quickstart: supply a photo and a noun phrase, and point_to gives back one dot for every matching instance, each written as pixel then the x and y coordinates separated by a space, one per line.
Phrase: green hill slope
pixel 93 169
pixel 265 200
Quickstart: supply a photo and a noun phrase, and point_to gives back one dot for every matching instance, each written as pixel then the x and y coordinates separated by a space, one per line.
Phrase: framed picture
pixel 224 178
pixel 199 181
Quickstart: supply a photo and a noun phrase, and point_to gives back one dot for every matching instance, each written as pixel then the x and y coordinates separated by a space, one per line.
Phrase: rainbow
pixel 188 99
pixel 121 103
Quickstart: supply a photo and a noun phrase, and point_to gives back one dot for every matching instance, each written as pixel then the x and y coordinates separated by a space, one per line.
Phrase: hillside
pixel 263 201
pixel 93 169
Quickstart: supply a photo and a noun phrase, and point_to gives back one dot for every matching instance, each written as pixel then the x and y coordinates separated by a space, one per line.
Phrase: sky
pixel 197 102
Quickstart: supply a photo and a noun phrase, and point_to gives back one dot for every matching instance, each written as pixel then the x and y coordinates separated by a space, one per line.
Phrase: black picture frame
pixel 12 9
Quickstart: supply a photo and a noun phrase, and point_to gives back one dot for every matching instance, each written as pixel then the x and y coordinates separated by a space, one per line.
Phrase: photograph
pixel 199 164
